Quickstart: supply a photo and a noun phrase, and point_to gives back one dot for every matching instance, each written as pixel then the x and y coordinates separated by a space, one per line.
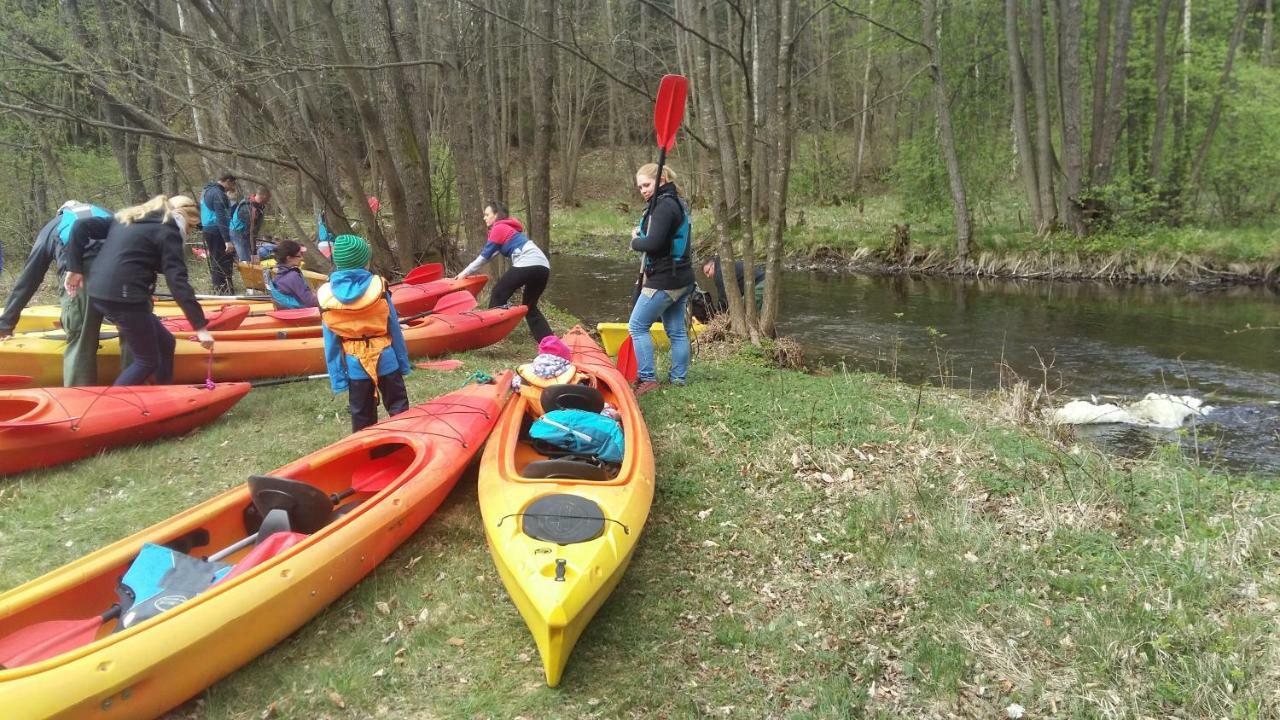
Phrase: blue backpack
pixel 581 433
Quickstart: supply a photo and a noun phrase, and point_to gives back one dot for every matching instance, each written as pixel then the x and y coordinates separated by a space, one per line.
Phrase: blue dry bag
pixel 581 433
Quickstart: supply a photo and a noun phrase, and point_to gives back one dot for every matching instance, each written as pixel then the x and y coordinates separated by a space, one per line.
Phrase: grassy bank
pixel 819 546
pixel 862 237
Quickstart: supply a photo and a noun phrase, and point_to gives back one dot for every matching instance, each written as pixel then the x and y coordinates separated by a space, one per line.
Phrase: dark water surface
pixel 1094 339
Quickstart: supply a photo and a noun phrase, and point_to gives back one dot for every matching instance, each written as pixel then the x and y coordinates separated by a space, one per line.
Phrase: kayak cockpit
pixel 18 408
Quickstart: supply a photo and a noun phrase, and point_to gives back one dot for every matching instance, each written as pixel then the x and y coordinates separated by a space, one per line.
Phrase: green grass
pixel 819 546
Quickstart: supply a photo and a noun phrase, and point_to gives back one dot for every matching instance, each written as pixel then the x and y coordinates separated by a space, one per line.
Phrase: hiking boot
pixel 643 386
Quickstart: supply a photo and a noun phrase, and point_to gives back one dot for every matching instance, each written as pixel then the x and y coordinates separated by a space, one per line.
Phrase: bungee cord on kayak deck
pixel 420 411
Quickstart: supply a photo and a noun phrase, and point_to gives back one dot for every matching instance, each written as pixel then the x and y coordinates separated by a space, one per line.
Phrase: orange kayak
pixel 43 427
pixel 432 336
pixel 68 653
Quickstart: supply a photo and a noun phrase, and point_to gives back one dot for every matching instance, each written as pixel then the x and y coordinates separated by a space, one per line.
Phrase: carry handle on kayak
pixel 53 637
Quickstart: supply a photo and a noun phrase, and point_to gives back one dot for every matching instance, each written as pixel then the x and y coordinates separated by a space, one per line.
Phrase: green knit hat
pixel 350 252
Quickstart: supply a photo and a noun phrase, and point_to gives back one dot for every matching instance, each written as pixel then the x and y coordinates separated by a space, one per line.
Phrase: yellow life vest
pixel 361 325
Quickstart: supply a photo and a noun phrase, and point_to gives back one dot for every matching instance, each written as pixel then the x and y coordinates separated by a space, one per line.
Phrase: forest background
pixel 948 132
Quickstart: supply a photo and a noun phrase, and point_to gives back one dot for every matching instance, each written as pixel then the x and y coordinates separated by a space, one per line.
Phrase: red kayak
pixel 43 427
pixel 229 317
pixel 408 299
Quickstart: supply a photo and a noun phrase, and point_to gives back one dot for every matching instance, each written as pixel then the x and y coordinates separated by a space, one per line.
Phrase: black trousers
pixel 221 263
pixel 534 281
pixel 364 408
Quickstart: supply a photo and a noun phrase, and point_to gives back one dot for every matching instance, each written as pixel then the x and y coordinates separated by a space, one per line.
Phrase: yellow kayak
pixel 39 318
pixel 613 333
pixel 561 542
pixel 252 274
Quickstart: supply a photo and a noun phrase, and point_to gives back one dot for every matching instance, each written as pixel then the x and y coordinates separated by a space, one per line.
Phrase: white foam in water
pixel 1155 410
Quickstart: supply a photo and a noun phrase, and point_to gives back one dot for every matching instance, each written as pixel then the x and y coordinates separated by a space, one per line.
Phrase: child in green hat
pixel 363 345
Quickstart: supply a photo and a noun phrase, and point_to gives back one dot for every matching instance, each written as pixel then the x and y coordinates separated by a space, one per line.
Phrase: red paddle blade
pixel 424 274
pixel 44 640
pixel 627 360
pixel 441 365
pixel 8 382
pixel 455 302
pixel 668 111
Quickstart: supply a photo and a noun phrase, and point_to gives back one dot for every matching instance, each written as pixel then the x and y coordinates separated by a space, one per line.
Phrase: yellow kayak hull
pixel 254 278
pixel 40 318
pixel 613 333
pixel 558 610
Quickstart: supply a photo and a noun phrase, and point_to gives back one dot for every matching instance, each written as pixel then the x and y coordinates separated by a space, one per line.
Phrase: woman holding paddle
pixel 664 237
pixel 142 241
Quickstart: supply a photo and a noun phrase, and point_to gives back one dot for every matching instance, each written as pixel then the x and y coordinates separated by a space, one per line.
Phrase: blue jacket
pixel 215 210
pixel 51 243
pixel 348 286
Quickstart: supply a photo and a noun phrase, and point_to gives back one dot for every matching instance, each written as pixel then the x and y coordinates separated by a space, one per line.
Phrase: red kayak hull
pixel 44 427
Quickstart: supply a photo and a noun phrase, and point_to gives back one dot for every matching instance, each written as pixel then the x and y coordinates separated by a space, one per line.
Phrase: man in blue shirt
pixel 215 218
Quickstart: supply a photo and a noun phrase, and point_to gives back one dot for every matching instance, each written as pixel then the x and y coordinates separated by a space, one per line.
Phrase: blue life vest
pixel 237 224
pixel 68 216
pixel 581 433
pixel 283 300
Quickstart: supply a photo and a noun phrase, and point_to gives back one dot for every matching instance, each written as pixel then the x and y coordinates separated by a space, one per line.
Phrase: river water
pixel 1083 339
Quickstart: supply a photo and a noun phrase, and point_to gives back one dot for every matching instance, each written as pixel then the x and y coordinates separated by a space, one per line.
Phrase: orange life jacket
pixel 361 325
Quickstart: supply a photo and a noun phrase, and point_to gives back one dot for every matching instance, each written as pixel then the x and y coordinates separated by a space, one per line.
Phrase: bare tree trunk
pixel 863 114
pixel 371 119
pixel 708 121
pixel 1215 116
pixel 461 150
pixel 782 133
pixel 1113 116
pixel 1070 21
pixel 1044 126
pixel 1102 45
pixel 946 135
pixel 1021 131
pixel 418 179
pixel 1162 92
pixel 197 122
pixel 543 69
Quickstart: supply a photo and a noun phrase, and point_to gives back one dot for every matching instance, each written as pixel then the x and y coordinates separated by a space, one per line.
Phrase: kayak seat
pixel 572 397
pixel 309 508
pixel 567 468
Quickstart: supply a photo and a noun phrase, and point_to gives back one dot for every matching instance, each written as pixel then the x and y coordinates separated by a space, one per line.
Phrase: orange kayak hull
pixel 254 359
pixel 146 669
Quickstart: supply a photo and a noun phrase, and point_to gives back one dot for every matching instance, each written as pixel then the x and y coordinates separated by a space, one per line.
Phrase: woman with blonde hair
pixel 142 241
pixel 665 237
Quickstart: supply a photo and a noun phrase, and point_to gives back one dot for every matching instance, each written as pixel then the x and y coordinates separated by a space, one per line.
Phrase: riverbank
pixel 872 239
pixel 819 545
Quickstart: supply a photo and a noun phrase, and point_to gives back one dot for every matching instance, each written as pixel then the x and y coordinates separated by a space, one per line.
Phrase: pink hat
pixel 552 345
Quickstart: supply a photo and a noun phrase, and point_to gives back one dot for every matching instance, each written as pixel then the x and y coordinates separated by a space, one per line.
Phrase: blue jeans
pixel 152 344
pixel 648 309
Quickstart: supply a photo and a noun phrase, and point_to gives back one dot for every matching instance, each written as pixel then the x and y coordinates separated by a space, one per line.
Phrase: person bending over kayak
pixel 80 322
pixel 289 289
pixel 665 237
pixel 363 345
pixel 530 268
pixel 142 241
pixel 711 268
